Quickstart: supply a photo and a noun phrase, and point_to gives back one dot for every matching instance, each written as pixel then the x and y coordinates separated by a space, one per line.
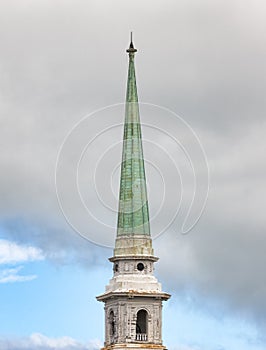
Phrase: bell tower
pixel 133 298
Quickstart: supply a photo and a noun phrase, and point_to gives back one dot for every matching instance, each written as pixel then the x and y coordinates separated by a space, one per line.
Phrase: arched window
pixel 112 323
pixel 141 325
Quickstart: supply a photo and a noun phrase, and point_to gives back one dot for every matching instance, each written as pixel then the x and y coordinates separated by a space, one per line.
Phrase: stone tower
pixel 133 297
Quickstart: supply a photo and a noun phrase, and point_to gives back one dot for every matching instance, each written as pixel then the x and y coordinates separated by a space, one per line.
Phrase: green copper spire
pixel 133 216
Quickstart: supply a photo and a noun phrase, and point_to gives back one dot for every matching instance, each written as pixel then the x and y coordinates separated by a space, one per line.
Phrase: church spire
pixel 133 298
pixel 133 215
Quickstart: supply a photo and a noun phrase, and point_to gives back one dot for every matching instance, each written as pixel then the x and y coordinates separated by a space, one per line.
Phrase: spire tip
pixel 131 46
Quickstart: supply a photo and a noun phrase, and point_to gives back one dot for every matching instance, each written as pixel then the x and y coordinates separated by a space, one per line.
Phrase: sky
pixel 201 82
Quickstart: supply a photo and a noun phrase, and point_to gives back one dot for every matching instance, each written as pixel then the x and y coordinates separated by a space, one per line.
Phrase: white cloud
pixel 12 275
pixel 11 252
pixel 39 341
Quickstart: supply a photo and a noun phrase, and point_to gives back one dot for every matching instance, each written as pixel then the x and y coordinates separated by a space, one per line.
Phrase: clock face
pixel 140 266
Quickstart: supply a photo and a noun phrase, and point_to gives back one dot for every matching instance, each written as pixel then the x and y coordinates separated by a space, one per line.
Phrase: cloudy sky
pixel 201 74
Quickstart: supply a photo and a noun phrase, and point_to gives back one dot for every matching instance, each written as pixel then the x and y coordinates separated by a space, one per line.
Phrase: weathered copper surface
pixel 133 216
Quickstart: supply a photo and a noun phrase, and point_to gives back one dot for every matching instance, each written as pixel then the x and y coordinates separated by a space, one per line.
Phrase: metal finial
pixel 131 46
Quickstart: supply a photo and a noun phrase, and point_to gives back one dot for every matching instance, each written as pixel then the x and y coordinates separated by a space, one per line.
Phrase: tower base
pixel 134 346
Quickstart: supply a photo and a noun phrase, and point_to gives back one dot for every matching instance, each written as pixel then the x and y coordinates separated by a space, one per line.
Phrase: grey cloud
pixel 205 61
pixel 223 258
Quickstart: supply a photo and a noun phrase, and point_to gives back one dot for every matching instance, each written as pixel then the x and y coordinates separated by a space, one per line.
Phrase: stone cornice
pixel 132 294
